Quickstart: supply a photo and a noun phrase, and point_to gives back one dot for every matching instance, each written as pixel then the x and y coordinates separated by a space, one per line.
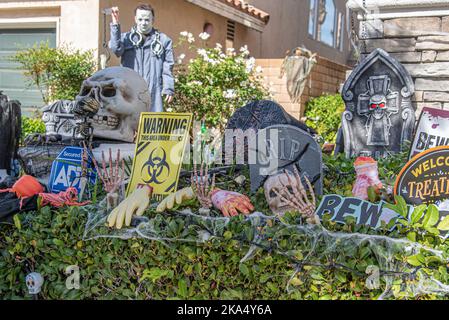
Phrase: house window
pixel 12 81
pixel 326 24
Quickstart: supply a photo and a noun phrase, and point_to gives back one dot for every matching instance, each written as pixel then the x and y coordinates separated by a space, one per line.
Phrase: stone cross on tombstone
pixel 379 115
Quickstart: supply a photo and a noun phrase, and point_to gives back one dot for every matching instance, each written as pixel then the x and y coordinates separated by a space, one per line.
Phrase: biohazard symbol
pixel 156 165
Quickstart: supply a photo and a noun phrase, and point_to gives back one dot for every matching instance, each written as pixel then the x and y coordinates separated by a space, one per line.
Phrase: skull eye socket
pixel 373 106
pixel 382 105
pixel 273 194
pixel 86 91
pixel 108 91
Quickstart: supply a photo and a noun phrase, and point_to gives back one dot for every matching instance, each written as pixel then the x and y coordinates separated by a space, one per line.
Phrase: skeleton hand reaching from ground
pixel 200 185
pixel 231 203
pixel 113 178
pixel 298 197
pixel 135 204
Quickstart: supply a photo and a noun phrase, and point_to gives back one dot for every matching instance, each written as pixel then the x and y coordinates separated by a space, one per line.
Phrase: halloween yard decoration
pixel 367 176
pixel 432 131
pixel 379 116
pixel 201 187
pixel 10 131
pixel 286 192
pixel 365 213
pixel 109 103
pixel 161 142
pixel 177 198
pixel 231 203
pixel 112 177
pixel 297 66
pixel 112 98
pixel 425 178
pixel 285 147
pixel 260 114
pixel 134 205
pixel 25 188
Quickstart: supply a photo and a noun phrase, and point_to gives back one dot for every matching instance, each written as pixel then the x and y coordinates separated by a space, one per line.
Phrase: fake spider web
pixel 309 247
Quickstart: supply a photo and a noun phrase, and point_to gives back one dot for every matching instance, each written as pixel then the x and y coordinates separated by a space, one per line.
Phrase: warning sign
pixel 160 145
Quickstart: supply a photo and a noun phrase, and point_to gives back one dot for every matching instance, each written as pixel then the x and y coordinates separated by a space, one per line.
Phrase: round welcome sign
pixel 425 179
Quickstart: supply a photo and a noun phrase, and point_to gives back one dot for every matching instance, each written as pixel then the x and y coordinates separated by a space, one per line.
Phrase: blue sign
pixel 66 170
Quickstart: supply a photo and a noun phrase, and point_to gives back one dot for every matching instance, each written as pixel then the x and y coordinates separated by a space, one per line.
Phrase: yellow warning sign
pixel 160 145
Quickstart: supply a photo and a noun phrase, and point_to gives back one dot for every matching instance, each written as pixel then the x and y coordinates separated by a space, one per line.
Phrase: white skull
pixel 123 95
pixel 34 282
pixel 277 204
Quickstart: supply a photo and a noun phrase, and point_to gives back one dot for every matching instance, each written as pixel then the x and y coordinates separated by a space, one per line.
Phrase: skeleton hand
pixel 230 203
pixel 136 204
pixel 112 178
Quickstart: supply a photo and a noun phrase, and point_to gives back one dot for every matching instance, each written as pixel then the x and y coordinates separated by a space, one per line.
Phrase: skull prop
pixel 286 192
pixel 122 95
pixel 277 204
pixel 34 282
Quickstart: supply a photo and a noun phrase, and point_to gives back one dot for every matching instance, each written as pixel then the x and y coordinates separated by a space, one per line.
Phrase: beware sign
pixel 66 170
pixel 160 145
pixel 432 131
pixel 365 212
pixel 425 178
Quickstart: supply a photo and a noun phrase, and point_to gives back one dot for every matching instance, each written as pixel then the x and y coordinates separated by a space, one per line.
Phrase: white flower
pixel 181 57
pixel 250 64
pixel 244 50
pixel 218 46
pixel 204 36
pixel 229 94
pixel 190 38
pixel 259 69
pixel 169 109
pixel 184 34
pixel 230 51
pixel 202 52
pixel 195 83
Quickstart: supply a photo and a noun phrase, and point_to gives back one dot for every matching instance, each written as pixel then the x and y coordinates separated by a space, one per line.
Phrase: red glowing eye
pixel 382 105
pixel 373 106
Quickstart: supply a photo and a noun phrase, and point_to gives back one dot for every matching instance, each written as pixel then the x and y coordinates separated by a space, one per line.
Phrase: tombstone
pixel 379 115
pixel 282 147
pixel 10 132
pixel 261 114
pixel 249 120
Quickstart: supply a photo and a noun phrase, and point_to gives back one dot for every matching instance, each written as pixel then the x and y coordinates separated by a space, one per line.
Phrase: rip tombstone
pixel 379 115
pixel 283 147
pixel 251 118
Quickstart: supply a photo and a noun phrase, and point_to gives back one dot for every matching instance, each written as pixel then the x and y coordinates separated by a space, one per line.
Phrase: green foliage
pixel 324 115
pixel 214 84
pixel 32 125
pixel 57 72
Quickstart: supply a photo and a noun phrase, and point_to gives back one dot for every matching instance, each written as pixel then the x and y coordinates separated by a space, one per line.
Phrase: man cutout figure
pixel 147 51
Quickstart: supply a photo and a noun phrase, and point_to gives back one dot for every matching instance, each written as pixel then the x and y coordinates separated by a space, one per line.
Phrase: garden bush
pixel 324 115
pixel 57 72
pixel 215 83
pixel 32 125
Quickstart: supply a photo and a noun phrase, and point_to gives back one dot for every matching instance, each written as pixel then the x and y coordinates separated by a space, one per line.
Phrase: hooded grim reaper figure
pixel 147 51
